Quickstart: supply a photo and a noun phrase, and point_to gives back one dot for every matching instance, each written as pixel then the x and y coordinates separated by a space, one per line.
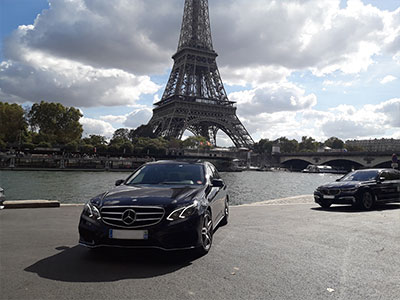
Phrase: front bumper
pixel 181 234
pixel 341 198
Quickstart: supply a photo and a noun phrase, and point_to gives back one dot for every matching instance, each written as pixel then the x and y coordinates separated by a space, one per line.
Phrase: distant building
pixel 376 145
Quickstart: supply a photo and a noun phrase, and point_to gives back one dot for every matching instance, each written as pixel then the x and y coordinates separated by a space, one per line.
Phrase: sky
pixel 318 68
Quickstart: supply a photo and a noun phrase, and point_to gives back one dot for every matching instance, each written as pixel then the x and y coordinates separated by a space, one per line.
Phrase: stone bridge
pixel 343 160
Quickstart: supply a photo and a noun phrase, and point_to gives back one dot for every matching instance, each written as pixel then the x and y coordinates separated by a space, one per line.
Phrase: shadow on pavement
pixel 351 209
pixel 78 264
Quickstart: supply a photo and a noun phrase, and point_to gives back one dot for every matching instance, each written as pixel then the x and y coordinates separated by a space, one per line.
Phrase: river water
pixel 78 187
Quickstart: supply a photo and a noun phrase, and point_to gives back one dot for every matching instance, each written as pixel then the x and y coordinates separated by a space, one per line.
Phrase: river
pixel 78 187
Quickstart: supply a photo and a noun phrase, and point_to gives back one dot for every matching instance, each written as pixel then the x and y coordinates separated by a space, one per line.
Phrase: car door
pixel 220 195
pixel 388 186
pixel 212 194
pixel 392 185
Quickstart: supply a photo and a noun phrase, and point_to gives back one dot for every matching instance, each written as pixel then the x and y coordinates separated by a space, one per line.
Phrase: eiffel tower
pixel 195 98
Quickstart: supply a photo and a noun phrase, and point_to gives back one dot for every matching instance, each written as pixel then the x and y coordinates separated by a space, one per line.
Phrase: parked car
pixel 166 204
pixel 363 188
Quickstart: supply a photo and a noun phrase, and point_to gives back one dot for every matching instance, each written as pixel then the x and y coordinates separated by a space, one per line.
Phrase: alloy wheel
pixel 367 200
pixel 207 232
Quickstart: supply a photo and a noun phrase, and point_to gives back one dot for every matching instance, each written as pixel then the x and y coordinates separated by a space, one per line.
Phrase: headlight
pixel 91 211
pixel 184 212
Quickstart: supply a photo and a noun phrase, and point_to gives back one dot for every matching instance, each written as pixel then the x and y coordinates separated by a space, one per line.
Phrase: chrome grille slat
pixel 144 215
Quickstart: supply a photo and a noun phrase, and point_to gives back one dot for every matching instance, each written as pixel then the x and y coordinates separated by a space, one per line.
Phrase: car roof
pixel 376 169
pixel 176 162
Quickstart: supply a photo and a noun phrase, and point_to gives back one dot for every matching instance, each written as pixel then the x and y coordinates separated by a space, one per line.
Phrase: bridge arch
pixel 344 164
pixel 385 164
pixel 296 164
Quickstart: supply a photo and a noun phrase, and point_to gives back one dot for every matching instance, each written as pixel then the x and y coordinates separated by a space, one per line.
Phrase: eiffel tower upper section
pixel 195 98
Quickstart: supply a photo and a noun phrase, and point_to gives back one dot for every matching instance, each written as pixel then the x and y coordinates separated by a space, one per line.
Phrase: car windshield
pixel 182 174
pixel 361 176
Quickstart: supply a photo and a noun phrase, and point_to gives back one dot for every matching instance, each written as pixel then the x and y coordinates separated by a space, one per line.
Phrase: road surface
pixel 291 251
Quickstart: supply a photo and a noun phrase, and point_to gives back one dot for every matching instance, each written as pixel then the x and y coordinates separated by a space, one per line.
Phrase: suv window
pixel 391 175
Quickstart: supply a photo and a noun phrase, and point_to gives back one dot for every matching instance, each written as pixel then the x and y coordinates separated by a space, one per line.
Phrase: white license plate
pixel 128 234
pixel 329 197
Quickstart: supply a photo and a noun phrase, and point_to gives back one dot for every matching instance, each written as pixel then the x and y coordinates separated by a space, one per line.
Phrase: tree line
pixel 52 125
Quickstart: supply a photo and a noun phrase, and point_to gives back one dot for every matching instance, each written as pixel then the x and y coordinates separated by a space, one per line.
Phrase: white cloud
pixel 97 127
pixel 50 78
pixel 391 109
pixel 138 117
pixel 388 78
pixel 272 97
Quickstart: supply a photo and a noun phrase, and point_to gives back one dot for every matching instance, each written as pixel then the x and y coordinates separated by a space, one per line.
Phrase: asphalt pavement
pixel 280 251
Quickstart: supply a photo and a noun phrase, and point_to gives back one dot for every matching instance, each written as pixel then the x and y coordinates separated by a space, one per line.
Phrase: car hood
pixel 149 195
pixel 341 185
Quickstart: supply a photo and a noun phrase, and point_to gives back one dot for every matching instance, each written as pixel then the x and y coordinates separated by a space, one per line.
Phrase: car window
pixel 390 175
pixel 361 176
pixel 210 173
pixel 215 172
pixel 186 174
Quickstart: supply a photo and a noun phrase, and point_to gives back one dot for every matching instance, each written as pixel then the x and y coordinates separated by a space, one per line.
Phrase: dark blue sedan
pixel 166 204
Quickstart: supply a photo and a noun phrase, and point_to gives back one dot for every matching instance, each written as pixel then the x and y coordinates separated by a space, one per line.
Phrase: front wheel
pixel 206 232
pixel 367 200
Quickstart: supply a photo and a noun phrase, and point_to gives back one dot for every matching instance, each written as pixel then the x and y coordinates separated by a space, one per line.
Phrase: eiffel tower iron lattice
pixel 195 98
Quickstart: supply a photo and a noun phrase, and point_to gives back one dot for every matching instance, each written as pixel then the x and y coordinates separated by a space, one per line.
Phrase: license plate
pixel 329 197
pixel 128 234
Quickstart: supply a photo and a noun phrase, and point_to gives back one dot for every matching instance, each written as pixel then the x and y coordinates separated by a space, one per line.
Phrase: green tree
pixel 56 123
pixel 95 140
pixel 263 146
pixel 13 125
pixel 152 147
pixel 287 146
pixel 334 143
pixel 308 144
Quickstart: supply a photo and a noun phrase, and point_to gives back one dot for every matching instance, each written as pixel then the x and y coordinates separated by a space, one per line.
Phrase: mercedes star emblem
pixel 129 216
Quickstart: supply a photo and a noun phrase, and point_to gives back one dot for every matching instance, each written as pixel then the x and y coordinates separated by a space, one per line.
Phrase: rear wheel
pixel 206 232
pixel 367 200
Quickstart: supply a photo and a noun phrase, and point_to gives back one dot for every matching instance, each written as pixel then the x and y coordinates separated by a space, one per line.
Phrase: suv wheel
pixel 367 200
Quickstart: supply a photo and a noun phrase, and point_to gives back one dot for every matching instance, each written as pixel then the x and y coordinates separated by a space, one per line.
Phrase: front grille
pixel 330 191
pixel 134 216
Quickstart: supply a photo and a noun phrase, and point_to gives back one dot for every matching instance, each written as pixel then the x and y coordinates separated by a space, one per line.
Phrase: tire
pixel 367 200
pixel 206 232
pixel 224 221
pixel 325 204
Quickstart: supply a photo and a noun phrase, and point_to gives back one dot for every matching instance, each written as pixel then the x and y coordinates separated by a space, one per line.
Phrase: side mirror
pixel 381 179
pixel 119 182
pixel 217 183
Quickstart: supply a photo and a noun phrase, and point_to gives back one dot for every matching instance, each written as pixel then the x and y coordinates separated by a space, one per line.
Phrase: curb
pixel 30 204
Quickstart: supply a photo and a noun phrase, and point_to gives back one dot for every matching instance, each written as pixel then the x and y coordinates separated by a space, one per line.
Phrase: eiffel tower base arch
pixel 202 119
